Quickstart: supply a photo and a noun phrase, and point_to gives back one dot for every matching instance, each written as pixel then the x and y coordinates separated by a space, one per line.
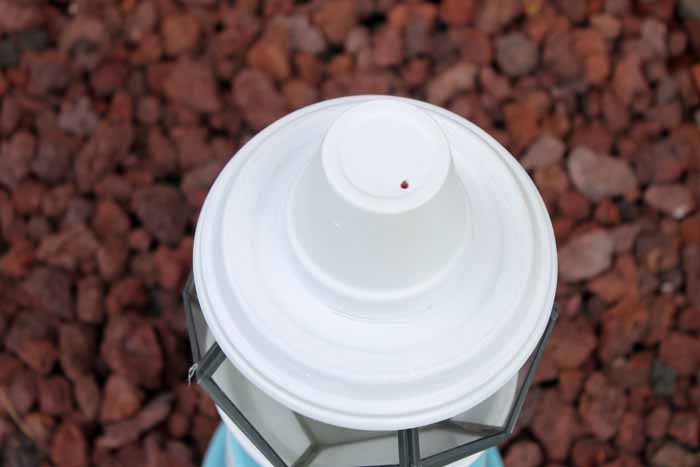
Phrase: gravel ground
pixel 115 117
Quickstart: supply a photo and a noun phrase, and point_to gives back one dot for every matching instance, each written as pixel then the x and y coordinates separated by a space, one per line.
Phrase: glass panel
pixel 483 420
pixel 279 426
pixel 442 436
pixel 342 447
pixel 526 374
pixel 297 440
pixel 382 451
pixel 487 422
pixel 196 325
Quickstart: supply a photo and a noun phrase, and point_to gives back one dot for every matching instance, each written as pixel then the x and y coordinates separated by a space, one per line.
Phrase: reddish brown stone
pixel 89 303
pixel 670 454
pixel 106 80
pixel 602 406
pixel 160 210
pixel 499 87
pixel 631 372
pixel 69 247
pixel 336 18
pixel 192 83
pixel 48 71
pixel 630 437
pixel 87 396
pixel 30 337
pixel 673 200
pixel 622 281
pixel 203 428
pixel 662 162
pixel 69 448
pixel 40 427
pixel 516 55
pixel 574 205
pixel 131 349
pixel 524 454
pixel 497 14
pixel 685 427
pixel 628 79
pixel 258 98
pixel 22 391
pixel 299 93
pixel 570 384
pixel 691 268
pixel 607 213
pixel 560 57
pixel 122 433
pixel 457 12
pixel 657 251
pixel 16 157
pixel 522 124
pixel 308 66
pixel 50 290
pixel 387 49
pixel 689 320
pixel 110 219
pixel 178 425
pixel 546 150
pixel 571 342
pixel 108 145
pixel 197 182
pixel 55 396
pixel 586 255
pixel 600 176
pixel 656 423
pixel 121 399
pixel 112 257
pixel 460 77
pixel 623 326
pixel 590 451
pixel 181 33
pixel 271 53
pixel 474 45
pixel 17 260
pixel 124 294
pixel 303 36
pixel 555 425
pixel 690 229
pixel 193 149
pixel 77 344
pixel 681 352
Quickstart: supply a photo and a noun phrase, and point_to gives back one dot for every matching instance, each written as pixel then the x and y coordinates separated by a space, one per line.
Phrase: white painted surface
pixel 408 353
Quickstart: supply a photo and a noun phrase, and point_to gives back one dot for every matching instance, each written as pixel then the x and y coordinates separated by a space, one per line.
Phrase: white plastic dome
pixel 375 263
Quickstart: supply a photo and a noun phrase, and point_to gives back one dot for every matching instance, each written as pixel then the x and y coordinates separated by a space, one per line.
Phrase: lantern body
pixel 373 285
pixel 275 435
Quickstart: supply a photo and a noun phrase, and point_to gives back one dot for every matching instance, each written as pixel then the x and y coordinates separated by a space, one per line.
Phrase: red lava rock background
pixel 116 116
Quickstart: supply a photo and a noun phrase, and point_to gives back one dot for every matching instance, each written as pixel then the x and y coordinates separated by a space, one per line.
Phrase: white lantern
pixel 373 284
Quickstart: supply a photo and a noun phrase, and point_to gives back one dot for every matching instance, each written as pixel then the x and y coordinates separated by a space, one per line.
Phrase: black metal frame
pixel 206 364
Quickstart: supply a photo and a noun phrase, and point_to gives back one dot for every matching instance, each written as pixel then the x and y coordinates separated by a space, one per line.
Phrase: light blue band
pixel 216 454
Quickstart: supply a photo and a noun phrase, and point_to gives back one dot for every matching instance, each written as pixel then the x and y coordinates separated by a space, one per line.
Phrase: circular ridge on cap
pixel 386 156
pixel 373 374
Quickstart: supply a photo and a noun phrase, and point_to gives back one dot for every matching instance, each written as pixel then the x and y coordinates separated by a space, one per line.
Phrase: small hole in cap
pixel 404 184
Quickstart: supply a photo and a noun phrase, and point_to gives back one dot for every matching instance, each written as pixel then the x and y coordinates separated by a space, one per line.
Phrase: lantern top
pixel 386 156
pixel 358 302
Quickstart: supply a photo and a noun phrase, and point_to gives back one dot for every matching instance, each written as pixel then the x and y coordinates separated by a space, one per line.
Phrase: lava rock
pixel 599 176
pixel 516 54
pixel 586 255
pixel 160 209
